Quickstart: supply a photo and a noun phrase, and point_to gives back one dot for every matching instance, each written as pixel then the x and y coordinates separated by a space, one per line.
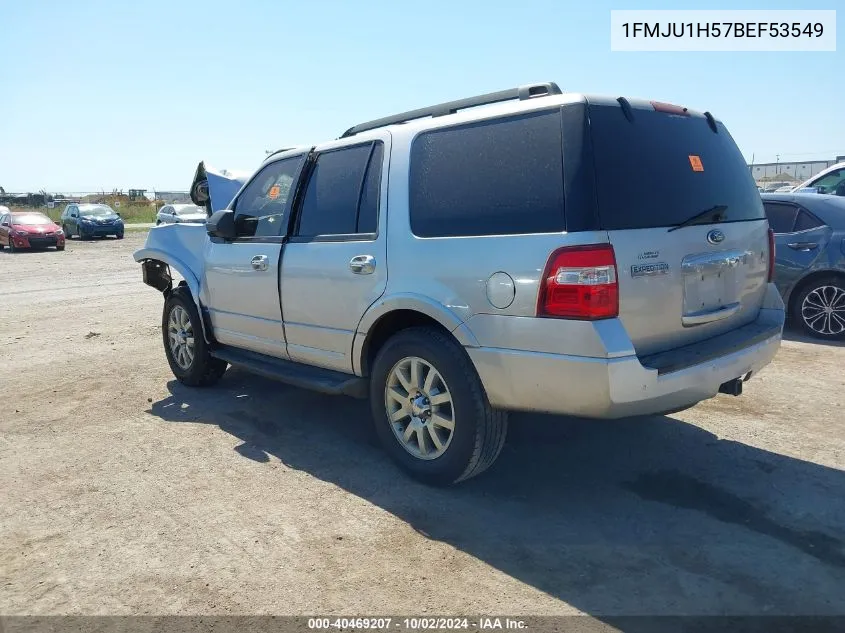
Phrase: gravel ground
pixel 125 493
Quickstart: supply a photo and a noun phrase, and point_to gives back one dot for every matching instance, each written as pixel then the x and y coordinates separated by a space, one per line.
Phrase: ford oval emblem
pixel 715 236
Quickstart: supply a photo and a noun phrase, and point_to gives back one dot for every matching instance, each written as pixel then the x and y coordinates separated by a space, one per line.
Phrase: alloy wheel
pixel 419 408
pixel 180 334
pixel 823 310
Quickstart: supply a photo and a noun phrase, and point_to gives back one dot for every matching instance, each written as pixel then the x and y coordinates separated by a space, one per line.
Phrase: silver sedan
pixel 181 214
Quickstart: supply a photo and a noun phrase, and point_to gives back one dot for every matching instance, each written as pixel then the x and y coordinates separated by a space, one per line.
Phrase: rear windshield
pixel 663 168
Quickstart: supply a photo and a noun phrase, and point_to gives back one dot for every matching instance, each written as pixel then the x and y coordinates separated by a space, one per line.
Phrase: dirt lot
pixel 122 492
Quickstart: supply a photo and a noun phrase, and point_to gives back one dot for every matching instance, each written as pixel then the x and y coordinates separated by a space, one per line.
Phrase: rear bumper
pixel 624 386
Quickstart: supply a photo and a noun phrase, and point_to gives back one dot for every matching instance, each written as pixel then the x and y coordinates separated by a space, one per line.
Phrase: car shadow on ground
pixel 646 516
pixel 792 333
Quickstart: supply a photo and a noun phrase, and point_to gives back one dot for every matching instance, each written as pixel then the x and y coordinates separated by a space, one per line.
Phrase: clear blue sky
pixel 100 95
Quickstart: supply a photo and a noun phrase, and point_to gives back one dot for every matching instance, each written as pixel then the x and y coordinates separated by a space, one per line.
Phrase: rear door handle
pixel 259 262
pixel 802 246
pixel 362 264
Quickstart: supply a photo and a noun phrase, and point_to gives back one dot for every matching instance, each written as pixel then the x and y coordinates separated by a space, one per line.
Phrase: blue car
pixel 91 220
pixel 810 259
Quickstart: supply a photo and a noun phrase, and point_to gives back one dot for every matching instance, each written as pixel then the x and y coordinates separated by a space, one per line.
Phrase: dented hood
pixel 215 188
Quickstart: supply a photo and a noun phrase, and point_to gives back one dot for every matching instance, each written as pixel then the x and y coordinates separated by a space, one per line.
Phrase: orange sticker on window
pixel 695 161
pixel 275 192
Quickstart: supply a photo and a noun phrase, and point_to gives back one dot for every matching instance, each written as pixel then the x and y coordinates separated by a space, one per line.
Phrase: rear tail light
pixel 771 255
pixel 580 282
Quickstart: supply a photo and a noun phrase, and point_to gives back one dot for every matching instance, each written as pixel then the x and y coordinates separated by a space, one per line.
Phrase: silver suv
pixel 549 252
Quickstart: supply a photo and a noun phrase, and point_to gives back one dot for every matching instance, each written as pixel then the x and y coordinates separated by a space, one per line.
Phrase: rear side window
pixel 660 169
pixel 496 177
pixel 781 216
pixel 342 182
pixel 806 221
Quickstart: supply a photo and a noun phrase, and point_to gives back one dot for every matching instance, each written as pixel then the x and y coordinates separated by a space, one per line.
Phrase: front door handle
pixel 362 264
pixel 259 262
pixel 802 246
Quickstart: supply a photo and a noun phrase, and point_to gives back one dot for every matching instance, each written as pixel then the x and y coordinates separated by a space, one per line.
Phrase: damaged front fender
pixel 179 247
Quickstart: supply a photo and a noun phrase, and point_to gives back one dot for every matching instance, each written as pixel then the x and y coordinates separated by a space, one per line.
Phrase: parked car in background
pixel 784 189
pixel 830 181
pixel 640 286
pixel 774 186
pixel 91 220
pixel 180 214
pixel 29 229
pixel 810 259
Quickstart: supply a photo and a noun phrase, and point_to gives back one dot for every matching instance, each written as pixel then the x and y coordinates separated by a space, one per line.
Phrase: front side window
pixel 494 177
pixel 342 193
pixel 833 183
pixel 260 208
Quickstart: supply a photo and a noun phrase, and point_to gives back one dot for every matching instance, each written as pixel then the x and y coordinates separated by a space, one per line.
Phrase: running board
pixel 292 373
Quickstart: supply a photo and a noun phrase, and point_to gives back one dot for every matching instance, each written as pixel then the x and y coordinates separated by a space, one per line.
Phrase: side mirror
pixel 222 224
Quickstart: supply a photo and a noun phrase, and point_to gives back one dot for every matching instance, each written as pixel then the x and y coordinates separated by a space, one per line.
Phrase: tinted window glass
pixel 781 216
pixel 806 221
pixel 662 168
pixel 831 182
pixel 330 206
pixel 261 206
pixel 489 178
pixel 368 209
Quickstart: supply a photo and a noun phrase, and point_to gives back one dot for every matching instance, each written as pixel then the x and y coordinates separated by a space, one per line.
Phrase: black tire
pixel 66 232
pixel 797 303
pixel 204 370
pixel 119 236
pixel 479 431
pixel 12 247
pixel 60 247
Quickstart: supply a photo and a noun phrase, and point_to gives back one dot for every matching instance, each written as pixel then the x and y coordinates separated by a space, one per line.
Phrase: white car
pixel 180 214
pixel 830 181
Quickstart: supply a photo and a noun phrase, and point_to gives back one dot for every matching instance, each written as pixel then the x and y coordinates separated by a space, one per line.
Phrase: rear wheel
pixel 186 350
pixel 430 410
pixel 819 308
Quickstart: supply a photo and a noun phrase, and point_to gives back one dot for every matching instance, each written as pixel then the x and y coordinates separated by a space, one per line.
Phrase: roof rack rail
pixel 528 91
pixel 279 151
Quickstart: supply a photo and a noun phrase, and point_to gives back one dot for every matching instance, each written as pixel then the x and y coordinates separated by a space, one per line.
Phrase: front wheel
pixel 430 409
pixel 60 247
pixel 119 236
pixel 12 247
pixel 819 308
pixel 186 349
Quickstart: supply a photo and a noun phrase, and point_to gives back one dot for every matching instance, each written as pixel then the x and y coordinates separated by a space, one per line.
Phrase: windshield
pixel 660 169
pixel 30 218
pixel 98 211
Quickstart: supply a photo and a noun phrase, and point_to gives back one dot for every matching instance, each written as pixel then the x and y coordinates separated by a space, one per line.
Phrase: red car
pixel 29 229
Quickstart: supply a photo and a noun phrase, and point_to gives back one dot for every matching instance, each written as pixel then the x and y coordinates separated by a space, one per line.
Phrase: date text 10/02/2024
pixel 417 624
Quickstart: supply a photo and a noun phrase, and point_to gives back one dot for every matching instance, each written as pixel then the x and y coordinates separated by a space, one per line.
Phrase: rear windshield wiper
pixel 715 214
